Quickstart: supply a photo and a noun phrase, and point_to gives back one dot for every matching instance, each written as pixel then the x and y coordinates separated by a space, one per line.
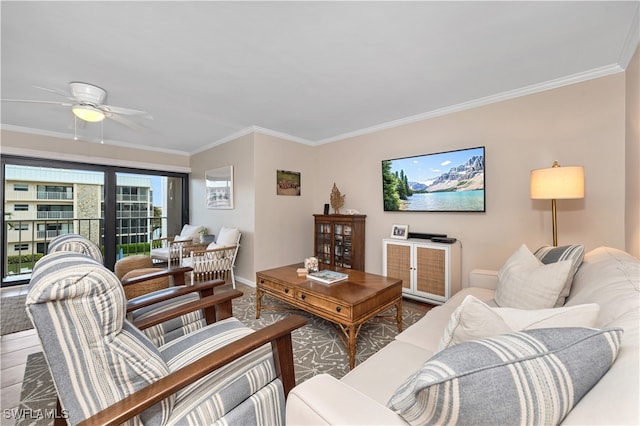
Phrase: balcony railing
pixel 54 215
pixel 133 197
pixel 50 195
pixel 27 240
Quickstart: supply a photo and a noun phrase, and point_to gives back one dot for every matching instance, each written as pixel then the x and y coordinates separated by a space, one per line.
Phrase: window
pixel 119 208
pixel 20 187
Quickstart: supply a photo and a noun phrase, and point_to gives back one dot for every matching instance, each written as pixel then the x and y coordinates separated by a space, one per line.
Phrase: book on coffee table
pixel 327 276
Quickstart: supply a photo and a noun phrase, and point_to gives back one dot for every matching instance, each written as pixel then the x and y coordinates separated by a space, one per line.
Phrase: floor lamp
pixel 557 183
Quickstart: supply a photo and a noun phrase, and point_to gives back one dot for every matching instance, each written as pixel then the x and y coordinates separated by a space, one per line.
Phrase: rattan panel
pixel 431 265
pixel 399 263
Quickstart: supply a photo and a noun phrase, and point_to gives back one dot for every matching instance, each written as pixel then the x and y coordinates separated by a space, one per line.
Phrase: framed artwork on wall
pixel 287 183
pixel 219 188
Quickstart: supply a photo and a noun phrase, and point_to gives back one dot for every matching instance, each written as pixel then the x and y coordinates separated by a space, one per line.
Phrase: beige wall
pixel 593 124
pixel 284 224
pixel 276 230
pixel 581 124
pixel 240 154
pixel 632 156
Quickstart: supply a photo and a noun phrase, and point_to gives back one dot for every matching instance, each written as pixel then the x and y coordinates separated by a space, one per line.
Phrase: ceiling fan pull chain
pixel 75 128
pixel 102 132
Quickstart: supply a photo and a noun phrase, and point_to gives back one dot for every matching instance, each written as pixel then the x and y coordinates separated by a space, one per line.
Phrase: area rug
pixel 316 346
pixel 13 315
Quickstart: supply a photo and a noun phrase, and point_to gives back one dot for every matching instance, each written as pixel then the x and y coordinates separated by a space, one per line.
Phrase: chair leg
pixel 233 279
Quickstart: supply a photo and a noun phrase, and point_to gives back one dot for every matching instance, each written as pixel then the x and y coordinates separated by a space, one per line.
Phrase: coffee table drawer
pixel 332 308
pixel 277 287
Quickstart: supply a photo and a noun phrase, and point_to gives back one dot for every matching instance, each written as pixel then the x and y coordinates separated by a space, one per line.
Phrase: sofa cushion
pixel 533 376
pixel 474 319
pixel 551 254
pixel 526 283
pixel 427 331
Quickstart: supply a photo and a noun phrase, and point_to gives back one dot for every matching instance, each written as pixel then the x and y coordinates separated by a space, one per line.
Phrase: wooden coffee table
pixel 348 304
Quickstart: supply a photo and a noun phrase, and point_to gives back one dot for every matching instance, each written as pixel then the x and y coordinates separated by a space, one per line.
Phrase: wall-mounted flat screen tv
pixel 451 181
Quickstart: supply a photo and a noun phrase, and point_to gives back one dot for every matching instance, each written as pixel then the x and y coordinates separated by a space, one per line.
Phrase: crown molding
pixel 24 152
pixel 253 129
pixel 528 90
pixel 632 41
pixel 66 136
pixel 280 135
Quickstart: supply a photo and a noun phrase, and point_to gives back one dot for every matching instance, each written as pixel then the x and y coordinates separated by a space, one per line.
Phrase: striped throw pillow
pixel 551 254
pixel 528 377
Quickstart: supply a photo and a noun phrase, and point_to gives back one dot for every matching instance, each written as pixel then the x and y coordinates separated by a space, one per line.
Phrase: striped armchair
pixel 150 305
pixel 108 372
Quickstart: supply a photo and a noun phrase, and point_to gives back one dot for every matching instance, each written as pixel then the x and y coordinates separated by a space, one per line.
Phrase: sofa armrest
pixel 483 278
pixel 325 400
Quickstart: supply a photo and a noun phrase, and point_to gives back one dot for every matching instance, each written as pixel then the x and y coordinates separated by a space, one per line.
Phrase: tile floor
pixel 14 349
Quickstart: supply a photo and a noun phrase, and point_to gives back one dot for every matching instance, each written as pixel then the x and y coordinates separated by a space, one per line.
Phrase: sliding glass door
pixel 120 209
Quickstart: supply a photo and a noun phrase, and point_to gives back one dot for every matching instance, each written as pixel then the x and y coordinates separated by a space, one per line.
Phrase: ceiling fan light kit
pixel 88 113
pixel 88 105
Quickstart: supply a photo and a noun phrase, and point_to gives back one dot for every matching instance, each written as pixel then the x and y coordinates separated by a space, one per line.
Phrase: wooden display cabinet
pixel 339 240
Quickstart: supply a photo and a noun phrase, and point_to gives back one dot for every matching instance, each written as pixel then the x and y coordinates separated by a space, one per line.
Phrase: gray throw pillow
pixel 551 254
pixel 528 377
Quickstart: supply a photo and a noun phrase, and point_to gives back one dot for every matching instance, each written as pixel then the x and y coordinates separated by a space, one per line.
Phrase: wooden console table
pixel 348 304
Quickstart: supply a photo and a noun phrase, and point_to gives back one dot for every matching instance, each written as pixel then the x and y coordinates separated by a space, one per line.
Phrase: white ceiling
pixel 311 71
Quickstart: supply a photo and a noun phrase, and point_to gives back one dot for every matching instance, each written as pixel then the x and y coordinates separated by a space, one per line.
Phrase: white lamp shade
pixel 88 113
pixel 557 183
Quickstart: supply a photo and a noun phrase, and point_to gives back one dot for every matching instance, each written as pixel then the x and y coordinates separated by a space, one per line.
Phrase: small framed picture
pixel 400 232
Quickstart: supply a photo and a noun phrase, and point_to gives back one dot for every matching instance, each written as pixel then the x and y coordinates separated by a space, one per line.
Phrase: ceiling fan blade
pixel 127 122
pixel 36 102
pixel 57 92
pixel 125 111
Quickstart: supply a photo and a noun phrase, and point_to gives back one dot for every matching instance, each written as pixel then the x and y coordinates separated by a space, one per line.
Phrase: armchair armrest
pixel 483 278
pixel 176 273
pixel 221 304
pixel 278 334
pixel 321 401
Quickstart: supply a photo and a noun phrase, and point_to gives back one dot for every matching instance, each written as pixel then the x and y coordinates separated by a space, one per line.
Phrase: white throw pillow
pixel 179 238
pixel 474 319
pixel 526 283
pixel 190 230
pixel 227 236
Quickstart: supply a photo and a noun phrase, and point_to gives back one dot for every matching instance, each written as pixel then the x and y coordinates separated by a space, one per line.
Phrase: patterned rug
pixel 13 316
pixel 317 349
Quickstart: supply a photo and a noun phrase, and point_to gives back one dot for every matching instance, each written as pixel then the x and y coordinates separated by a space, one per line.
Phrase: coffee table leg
pixel 353 334
pixel 399 314
pixel 259 294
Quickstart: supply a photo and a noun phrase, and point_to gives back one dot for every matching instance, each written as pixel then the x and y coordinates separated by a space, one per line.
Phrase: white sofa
pixel 608 277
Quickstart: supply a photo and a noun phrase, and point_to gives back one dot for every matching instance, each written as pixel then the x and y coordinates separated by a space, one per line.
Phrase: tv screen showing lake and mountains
pixel 451 181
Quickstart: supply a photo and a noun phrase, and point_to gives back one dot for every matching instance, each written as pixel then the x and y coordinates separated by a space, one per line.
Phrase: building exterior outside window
pixel 41 205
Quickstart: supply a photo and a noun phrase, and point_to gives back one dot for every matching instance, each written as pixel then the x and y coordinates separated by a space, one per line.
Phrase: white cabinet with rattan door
pixel 429 271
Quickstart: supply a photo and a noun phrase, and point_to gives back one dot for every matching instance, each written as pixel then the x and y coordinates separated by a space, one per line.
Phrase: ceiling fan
pixel 86 102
